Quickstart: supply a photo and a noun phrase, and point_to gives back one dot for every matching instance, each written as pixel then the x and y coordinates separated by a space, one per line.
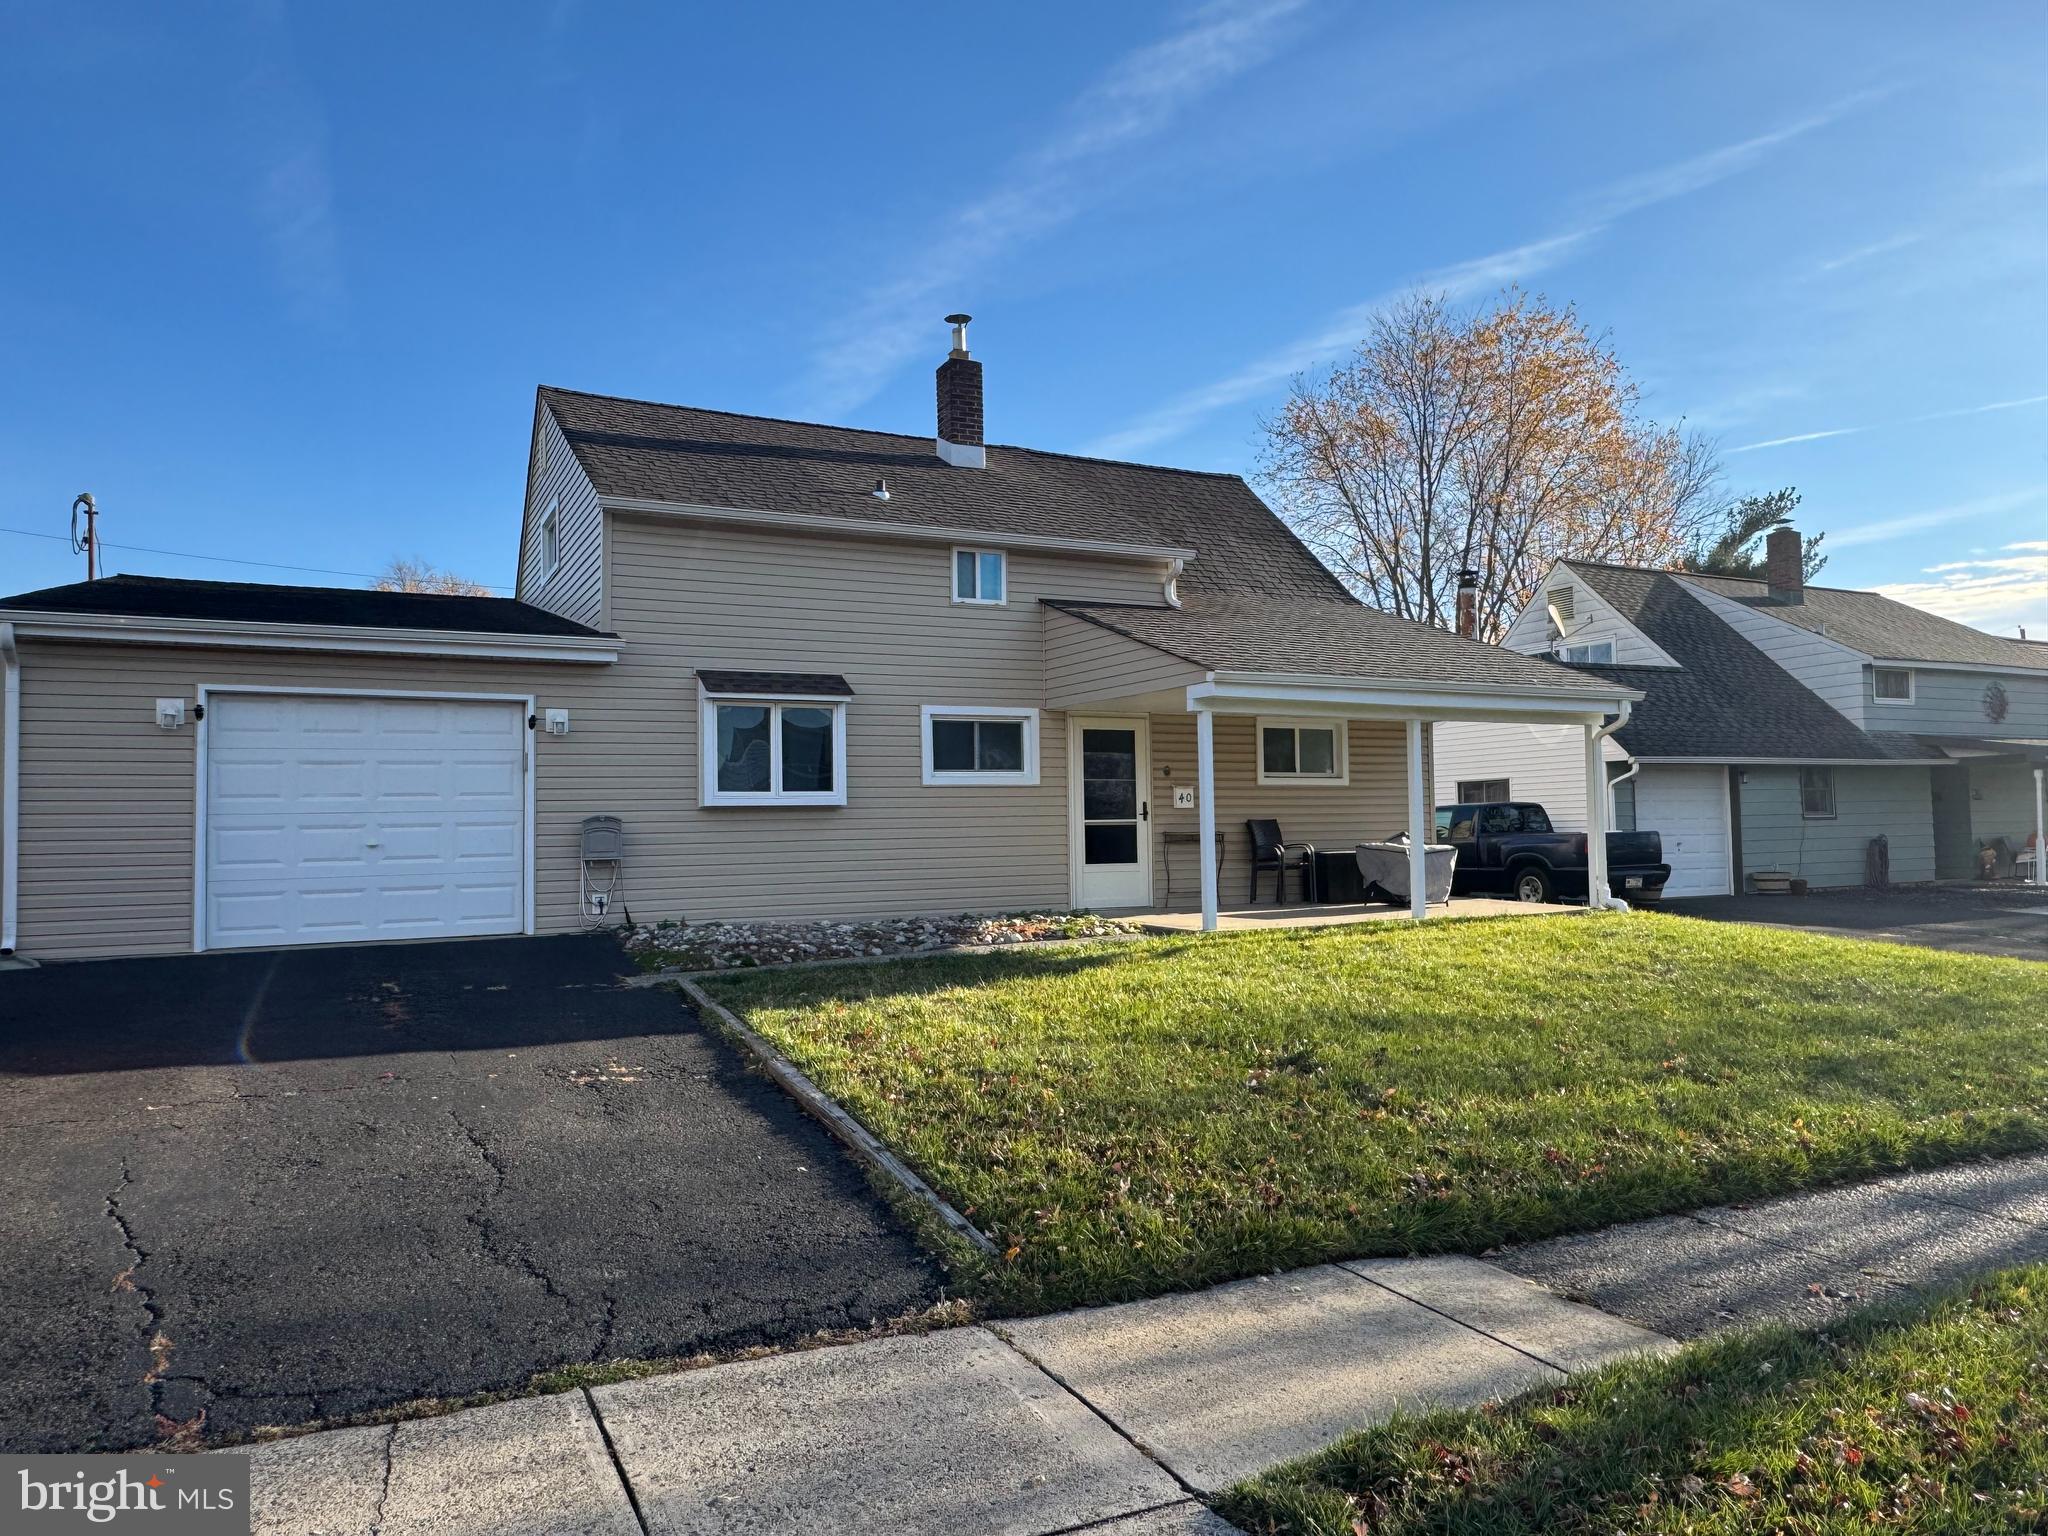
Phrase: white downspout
pixel 2040 822
pixel 1599 897
pixel 10 788
pixel 1635 766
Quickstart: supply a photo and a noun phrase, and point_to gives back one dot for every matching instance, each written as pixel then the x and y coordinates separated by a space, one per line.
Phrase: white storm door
pixel 333 818
pixel 1110 819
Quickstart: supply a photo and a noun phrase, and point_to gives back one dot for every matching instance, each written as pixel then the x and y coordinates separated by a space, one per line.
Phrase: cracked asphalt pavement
pixel 265 1188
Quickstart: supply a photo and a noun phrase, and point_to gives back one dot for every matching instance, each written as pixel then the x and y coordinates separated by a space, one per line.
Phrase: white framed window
pixel 1891 685
pixel 772 751
pixel 980 576
pixel 1597 651
pixel 966 744
pixel 551 538
pixel 1304 751
pixel 1482 791
pixel 1817 794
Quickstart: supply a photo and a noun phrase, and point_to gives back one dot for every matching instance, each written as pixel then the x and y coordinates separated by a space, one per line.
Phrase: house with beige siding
pixel 1783 727
pixel 811 670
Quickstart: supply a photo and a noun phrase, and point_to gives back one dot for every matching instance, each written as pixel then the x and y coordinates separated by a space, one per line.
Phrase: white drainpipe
pixel 1635 766
pixel 1599 802
pixel 2040 823
pixel 10 788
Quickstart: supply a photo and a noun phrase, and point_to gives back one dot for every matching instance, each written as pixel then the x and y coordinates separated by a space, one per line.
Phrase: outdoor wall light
pixel 170 713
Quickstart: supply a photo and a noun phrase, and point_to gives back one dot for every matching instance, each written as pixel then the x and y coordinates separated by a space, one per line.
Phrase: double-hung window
pixel 551 538
pixel 971 745
pixel 1304 752
pixel 979 576
pixel 776 750
pixel 1817 793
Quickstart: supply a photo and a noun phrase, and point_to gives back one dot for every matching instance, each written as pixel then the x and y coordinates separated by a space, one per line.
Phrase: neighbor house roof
pixel 1313 638
pixel 246 602
pixel 1881 626
pixel 680 454
pixel 1726 699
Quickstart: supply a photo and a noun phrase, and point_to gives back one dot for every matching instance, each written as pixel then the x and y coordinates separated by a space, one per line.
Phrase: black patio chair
pixel 1272 851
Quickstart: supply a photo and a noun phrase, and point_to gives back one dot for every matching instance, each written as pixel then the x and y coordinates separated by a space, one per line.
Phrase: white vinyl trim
pixel 980 553
pixel 1340 748
pixel 708 792
pixel 206 691
pixel 10 789
pixel 550 538
pixel 1028 774
pixel 879 528
pixel 242 635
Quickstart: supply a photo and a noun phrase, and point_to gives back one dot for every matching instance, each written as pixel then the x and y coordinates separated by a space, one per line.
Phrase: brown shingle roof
pixel 1881 626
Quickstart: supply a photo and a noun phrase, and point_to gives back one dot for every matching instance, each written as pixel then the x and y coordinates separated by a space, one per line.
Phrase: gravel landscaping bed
pixel 730 946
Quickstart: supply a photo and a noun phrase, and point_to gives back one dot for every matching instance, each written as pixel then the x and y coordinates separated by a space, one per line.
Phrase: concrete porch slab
pixel 1518 1312
pixel 1228 1382
pixel 536 1466
pixel 938 1434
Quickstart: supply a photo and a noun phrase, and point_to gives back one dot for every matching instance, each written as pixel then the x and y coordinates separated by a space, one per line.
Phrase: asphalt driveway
pixel 2012 922
pixel 273 1187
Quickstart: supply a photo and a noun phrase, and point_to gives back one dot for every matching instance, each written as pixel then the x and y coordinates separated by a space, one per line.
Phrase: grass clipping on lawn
pixel 1132 1118
pixel 1931 1416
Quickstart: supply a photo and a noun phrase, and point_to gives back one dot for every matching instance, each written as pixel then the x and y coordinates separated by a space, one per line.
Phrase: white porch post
pixel 1596 819
pixel 2040 825
pixel 1205 797
pixel 1419 823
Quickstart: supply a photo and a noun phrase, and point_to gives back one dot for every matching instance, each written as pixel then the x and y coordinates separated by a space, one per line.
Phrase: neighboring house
pixel 1782 726
pixel 816 671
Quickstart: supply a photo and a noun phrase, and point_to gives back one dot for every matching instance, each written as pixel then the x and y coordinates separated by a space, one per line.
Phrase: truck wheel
pixel 1532 884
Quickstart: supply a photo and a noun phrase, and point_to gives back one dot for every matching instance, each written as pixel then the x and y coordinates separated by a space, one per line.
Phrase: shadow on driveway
pixel 1989 922
pixel 271 1187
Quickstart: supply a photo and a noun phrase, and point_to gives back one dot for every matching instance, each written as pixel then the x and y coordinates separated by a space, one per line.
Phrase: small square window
pixel 979 576
pixel 1891 685
pixel 1303 752
pixel 1817 793
pixel 980 746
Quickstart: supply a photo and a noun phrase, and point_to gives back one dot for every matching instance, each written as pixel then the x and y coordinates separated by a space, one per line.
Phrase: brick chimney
pixel 1468 604
pixel 1785 566
pixel 960 403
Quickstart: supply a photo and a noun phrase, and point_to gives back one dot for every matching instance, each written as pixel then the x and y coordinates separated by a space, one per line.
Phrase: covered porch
pixel 1187 724
pixel 1990 808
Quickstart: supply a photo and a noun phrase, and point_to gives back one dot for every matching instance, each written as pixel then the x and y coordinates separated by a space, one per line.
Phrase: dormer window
pixel 979 576
pixel 1891 685
pixel 1596 651
pixel 551 538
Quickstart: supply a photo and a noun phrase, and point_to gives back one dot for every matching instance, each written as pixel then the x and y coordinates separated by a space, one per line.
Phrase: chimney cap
pixel 958 319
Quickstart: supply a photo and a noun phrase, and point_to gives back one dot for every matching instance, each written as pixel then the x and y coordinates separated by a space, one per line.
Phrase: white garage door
pixel 335 818
pixel 1689 806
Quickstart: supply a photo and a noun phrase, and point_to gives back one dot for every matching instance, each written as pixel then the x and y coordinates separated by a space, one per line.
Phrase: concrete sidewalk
pixel 1109 1419
pixel 1119 1419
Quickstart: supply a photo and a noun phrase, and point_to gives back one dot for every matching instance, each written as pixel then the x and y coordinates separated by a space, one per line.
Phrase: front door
pixel 1955 849
pixel 1110 818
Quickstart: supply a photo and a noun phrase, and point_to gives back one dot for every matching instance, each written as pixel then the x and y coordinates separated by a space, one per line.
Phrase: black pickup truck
pixel 1510 849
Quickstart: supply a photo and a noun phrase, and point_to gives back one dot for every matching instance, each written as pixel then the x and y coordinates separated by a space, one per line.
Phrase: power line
pixel 183 554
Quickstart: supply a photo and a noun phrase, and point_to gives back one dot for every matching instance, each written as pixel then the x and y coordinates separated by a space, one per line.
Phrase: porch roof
pixel 1305 641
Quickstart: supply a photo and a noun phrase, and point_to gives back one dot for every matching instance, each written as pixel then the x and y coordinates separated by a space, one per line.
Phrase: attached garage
pixel 335 817
pixel 212 765
pixel 1688 806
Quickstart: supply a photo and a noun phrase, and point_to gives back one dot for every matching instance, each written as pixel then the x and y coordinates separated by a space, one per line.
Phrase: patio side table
pixel 1173 840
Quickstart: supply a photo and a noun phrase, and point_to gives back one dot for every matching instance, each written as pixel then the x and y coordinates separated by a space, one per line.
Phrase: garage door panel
pixel 1688 806
pixel 357 819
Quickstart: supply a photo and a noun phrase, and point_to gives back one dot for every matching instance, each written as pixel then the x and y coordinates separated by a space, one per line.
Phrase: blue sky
pixel 277 282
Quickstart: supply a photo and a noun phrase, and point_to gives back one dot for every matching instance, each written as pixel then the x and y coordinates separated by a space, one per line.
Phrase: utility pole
pixel 87 544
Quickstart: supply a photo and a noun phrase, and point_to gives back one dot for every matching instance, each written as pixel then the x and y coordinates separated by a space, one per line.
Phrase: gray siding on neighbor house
pixel 1827 668
pixel 1544 763
pixel 576 589
pixel 1894 802
pixel 1087 664
pixel 2001 801
pixel 1952 704
pixel 1594 619
pixel 108 797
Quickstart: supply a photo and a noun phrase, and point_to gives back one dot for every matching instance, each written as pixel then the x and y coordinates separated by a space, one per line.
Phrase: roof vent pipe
pixel 959 440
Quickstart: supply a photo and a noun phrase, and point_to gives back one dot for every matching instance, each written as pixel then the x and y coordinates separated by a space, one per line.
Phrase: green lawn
pixel 1130 1118
pixel 1929 1417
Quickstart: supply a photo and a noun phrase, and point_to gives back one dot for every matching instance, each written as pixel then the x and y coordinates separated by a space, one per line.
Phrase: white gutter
pixel 10 789
pixel 1599 895
pixel 250 635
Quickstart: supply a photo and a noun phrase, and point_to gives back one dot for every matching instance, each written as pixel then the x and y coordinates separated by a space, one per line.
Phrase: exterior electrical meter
pixel 604 865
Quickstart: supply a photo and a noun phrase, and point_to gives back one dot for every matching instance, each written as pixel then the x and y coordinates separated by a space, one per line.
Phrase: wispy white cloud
pixel 2000 592
pixel 1137 99
pixel 293 196
pixel 1933 517
pixel 1519 263
pixel 1883 247
pixel 1906 421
